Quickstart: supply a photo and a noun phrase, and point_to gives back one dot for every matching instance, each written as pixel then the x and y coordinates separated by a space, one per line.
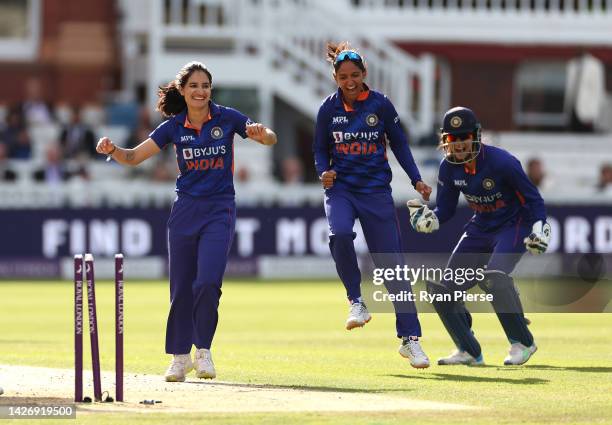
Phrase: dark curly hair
pixel 171 101
pixel 334 49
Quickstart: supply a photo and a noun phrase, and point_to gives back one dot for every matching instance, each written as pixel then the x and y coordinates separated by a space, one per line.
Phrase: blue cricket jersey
pixel 352 142
pixel 205 158
pixel 495 187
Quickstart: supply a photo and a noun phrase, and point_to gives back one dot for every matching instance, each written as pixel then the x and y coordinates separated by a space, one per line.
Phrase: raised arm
pixel 133 157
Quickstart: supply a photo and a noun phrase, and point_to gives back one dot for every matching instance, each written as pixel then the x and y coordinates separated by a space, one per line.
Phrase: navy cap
pixel 459 120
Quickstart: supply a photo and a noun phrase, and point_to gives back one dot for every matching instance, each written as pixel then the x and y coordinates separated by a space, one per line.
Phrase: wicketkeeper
pixel 509 218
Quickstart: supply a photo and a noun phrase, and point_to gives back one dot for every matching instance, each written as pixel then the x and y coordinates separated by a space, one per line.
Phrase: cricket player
pixel 350 149
pixel 203 217
pixel 509 218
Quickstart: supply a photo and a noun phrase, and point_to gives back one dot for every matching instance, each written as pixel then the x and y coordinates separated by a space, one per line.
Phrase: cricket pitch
pixel 46 386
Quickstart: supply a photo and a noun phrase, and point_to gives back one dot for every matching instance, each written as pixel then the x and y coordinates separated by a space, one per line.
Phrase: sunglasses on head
pixel 457 137
pixel 347 55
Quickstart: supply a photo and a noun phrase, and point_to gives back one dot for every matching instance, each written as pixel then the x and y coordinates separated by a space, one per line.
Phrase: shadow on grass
pixel 302 387
pixel 589 369
pixel 467 378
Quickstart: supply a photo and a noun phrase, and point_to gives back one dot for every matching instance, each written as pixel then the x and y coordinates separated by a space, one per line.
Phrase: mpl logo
pixel 188 138
pixel 460 183
pixel 188 153
pixel 340 120
pixel 338 136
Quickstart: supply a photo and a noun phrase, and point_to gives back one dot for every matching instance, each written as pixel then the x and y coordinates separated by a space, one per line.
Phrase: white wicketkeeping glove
pixel 422 218
pixel 538 240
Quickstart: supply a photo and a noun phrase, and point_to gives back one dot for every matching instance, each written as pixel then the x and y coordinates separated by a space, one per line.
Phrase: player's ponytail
pixel 171 101
pixel 343 47
pixel 334 48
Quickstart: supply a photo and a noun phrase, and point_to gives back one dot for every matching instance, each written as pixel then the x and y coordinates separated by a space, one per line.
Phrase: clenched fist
pixel 105 146
pixel 256 132
pixel 327 178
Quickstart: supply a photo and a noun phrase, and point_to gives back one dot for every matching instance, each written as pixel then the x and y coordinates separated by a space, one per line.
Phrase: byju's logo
pixel 190 153
pixel 338 136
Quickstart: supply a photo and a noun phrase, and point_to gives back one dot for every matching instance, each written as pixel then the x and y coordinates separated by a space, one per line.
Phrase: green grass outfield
pixel 292 334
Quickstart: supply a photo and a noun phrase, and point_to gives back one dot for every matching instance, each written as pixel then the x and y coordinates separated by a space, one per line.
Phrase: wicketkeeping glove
pixel 537 241
pixel 422 219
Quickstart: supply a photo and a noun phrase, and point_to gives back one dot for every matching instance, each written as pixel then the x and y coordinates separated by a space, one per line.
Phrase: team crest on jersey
pixel 456 121
pixel 488 184
pixel 372 120
pixel 216 133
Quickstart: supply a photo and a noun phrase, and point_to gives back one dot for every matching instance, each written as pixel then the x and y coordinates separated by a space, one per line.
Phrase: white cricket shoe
pixel 181 365
pixel 519 354
pixel 411 349
pixel 205 368
pixel 459 357
pixel 358 316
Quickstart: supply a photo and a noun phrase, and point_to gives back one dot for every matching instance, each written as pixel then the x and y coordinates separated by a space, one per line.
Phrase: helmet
pixel 460 121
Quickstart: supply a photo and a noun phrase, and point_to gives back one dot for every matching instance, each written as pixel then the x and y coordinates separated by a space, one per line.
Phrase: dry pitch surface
pixel 44 386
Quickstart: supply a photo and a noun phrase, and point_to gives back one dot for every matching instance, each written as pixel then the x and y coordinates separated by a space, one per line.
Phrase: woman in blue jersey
pixel 350 150
pixel 201 224
pixel 509 218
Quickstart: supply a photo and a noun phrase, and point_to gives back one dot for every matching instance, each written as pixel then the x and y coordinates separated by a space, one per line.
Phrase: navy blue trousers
pixel 500 250
pixel 200 233
pixel 376 213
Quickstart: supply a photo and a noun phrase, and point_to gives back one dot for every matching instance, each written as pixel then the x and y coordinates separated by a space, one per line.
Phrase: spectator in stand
pixel 242 175
pixel 77 139
pixel 55 171
pixel 162 171
pixel 15 137
pixel 6 173
pixel 155 170
pixel 292 170
pixel 143 128
pixel 605 178
pixel 35 110
pixel 537 175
